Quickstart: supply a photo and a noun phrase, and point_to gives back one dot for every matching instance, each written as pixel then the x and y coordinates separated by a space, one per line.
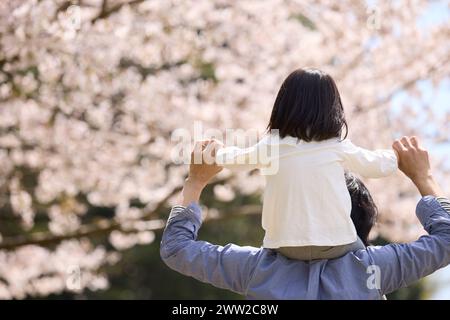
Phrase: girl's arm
pixel 369 164
pixel 254 157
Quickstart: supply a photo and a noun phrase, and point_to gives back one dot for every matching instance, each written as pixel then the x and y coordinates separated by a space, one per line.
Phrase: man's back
pixel 277 278
pixel 264 274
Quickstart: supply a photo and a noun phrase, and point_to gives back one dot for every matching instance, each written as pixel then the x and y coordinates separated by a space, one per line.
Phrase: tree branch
pixel 146 71
pixel 105 12
pixel 104 227
pixel 406 85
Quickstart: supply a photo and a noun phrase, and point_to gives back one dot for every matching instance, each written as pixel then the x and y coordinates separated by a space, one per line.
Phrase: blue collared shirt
pixel 260 273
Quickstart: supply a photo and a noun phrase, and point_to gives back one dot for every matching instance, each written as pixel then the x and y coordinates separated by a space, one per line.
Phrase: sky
pixel 440 281
pixel 439 99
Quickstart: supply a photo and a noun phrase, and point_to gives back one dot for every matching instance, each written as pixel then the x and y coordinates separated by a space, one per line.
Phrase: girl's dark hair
pixel 308 106
pixel 364 211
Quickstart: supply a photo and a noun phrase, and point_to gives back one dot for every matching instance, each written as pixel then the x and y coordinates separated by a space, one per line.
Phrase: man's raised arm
pixel 228 267
pixel 400 265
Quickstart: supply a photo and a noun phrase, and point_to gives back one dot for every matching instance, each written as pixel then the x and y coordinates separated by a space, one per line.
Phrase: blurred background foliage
pixel 86 120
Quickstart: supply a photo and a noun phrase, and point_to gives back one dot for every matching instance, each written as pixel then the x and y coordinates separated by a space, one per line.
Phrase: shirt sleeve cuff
pixel 227 155
pixel 429 206
pixel 193 211
pixel 445 203
pixel 389 163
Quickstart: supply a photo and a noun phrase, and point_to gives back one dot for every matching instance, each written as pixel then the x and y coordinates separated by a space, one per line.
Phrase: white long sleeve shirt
pixel 306 200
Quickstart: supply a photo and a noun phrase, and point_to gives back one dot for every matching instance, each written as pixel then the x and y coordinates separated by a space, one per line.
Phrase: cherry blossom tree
pixel 91 92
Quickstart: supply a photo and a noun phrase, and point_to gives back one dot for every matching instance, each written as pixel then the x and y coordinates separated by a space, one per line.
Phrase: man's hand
pixel 414 162
pixel 201 170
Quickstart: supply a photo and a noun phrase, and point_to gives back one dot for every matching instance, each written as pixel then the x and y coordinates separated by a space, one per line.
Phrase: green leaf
pixel 207 71
pixel 305 21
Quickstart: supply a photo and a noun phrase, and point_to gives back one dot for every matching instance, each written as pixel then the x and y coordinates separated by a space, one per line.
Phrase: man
pixel 260 273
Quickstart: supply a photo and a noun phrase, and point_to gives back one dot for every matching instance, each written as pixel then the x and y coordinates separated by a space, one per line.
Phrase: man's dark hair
pixel 308 106
pixel 364 211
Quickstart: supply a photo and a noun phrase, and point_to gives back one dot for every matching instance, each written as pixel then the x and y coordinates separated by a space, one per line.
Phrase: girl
pixel 306 207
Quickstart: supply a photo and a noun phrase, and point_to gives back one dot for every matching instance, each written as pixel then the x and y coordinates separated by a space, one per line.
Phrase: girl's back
pixel 306 201
pixel 304 156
